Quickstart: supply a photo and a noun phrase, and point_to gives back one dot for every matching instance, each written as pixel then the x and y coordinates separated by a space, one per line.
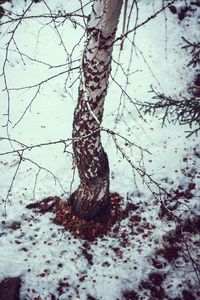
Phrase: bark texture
pixel 91 197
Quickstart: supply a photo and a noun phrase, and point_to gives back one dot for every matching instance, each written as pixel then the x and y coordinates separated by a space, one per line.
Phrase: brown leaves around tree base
pixel 88 230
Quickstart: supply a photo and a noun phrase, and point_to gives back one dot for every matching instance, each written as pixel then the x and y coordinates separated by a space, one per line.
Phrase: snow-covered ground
pixel 150 256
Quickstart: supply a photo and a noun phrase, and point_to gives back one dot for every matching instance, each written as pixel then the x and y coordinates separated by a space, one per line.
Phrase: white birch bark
pixel 92 194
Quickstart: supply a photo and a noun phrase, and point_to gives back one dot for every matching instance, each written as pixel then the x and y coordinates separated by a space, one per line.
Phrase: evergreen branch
pixel 185 111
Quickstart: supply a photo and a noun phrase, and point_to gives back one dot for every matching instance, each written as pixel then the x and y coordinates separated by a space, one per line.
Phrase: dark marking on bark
pixel 91 197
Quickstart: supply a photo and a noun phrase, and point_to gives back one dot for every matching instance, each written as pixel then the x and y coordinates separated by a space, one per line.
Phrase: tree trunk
pixel 92 196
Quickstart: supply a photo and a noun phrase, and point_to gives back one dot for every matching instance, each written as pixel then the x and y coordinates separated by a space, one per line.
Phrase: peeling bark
pixel 92 195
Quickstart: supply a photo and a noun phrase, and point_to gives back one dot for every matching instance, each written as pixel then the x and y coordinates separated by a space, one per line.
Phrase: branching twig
pixel 39 84
pixel 185 111
pixel 5 62
pixel 40 168
pixel 194 51
pixel 5 201
pixel 122 36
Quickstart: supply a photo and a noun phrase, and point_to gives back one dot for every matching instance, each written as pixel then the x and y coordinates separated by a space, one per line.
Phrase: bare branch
pixel 122 36
pixel 43 81
pixel 5 62
pixel 5 201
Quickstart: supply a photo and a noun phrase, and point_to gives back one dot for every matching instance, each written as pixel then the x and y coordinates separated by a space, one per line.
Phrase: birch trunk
pixel 92 196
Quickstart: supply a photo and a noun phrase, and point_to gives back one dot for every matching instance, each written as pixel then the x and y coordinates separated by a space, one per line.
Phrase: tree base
pixel 91 199
pixel 95 211
pixel 86 229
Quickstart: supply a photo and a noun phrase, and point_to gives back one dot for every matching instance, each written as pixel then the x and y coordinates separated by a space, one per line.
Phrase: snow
pixel 33 247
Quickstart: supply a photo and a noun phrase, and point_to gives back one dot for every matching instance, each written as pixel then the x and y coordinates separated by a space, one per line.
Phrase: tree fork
pixel 92 195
